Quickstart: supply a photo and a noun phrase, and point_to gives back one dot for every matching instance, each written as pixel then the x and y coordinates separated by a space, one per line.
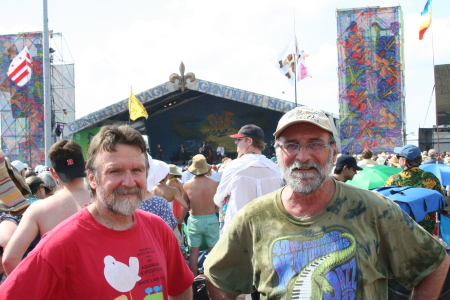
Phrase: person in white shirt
pixel 367 160
pixel 250 176
pixel 220 152
pixel 186 176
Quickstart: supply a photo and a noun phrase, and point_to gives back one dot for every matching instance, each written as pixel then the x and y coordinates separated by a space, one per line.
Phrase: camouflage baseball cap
pixel 303 114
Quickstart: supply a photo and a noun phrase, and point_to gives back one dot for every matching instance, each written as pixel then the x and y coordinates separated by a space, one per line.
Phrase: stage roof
pixel 174 93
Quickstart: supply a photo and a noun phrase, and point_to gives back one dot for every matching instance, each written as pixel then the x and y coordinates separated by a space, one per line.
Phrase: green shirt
pixel 415 177
pixel 347 251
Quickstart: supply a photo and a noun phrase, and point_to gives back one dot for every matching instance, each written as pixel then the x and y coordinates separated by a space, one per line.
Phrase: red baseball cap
pixel 251 131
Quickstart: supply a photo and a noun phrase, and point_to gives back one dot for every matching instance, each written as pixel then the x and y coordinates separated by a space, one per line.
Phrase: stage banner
pixel 371 84
pixel 21 98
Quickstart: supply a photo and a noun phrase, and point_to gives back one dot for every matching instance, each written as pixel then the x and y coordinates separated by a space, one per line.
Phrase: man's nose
pixel 128 180
pixel 303 154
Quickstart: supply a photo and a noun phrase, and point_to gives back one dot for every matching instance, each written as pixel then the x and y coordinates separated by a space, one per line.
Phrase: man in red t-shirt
pixel 110 249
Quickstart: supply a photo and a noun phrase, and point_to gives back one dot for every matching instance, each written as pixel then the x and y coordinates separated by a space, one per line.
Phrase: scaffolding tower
pixel 21 108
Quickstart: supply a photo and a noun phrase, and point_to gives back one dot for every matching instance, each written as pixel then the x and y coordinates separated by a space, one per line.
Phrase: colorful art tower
pixel 371 79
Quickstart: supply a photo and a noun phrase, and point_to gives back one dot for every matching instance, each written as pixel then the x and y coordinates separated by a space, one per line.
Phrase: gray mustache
pixel 308 164
pixel 125 191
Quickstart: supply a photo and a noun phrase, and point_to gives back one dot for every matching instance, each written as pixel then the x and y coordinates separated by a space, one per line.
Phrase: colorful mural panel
pixel 371 84
pixel 21 107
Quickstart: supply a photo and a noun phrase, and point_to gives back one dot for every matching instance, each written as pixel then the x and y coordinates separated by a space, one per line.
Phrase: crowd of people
pixel 290 227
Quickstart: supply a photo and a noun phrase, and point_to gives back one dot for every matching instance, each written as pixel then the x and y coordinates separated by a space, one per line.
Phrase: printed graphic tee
pixel 347 251
pixel 82 259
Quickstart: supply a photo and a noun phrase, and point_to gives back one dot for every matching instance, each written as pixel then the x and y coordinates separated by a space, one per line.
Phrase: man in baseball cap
pixel 409 152
pixel 409 159
pixel 249 140
pixel 38 188
pixel 346 168
pixel 249 176
pixel 69 171
pixel 274 240
pixel 251 131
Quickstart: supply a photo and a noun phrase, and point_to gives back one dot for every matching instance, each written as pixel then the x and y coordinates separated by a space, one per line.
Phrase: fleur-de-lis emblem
pixel 182 78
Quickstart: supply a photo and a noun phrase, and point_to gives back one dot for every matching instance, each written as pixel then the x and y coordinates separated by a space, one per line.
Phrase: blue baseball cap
pixel 411 152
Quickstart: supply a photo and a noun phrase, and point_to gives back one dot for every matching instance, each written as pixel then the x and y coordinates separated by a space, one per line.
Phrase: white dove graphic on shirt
pixel 120 276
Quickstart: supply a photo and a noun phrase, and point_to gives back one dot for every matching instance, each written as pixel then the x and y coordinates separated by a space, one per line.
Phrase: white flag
pixel 285 62
pixel 20 69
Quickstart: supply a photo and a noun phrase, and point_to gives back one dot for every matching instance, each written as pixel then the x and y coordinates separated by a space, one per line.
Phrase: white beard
pixel 306 183
pixel 119 205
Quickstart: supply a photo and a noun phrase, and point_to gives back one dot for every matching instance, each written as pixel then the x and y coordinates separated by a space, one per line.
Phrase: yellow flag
pixel 136 108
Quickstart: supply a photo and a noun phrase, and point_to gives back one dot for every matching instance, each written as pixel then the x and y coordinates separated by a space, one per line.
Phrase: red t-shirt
pixel 82 259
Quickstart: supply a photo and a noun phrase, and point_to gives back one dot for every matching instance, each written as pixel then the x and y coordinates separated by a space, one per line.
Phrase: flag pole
pixel 47 90
pixel 435 94
pixel 129 106
pixel 437 113
pixel 295 63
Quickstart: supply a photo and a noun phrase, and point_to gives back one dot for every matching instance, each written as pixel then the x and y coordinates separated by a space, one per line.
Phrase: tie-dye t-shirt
pixel 347 251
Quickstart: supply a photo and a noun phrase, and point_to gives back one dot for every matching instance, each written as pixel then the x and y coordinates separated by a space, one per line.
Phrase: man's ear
pixel 335 152
pixel 54 174
pixel 91 178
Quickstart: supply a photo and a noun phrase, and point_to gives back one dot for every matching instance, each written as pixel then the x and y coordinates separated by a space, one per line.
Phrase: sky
pixel 119 44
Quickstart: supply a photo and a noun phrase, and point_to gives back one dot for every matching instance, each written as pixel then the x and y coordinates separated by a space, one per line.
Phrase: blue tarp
pixel 414 201
pixel 444 229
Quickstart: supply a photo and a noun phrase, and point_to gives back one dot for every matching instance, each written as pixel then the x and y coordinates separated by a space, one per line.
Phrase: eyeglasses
pixel 400 156
pixel 293 148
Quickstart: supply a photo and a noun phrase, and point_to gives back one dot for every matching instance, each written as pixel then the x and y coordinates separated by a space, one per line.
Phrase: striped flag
pixel 20 69
pixel 426 19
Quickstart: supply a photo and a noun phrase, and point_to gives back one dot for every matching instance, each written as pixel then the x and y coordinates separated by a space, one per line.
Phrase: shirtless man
pixel 202 223
pixel 69 170
pixel 172 180
pixel 171 193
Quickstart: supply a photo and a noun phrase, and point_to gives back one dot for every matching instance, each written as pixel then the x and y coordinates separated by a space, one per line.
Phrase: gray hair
pixel 48 179
pixel 432 153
